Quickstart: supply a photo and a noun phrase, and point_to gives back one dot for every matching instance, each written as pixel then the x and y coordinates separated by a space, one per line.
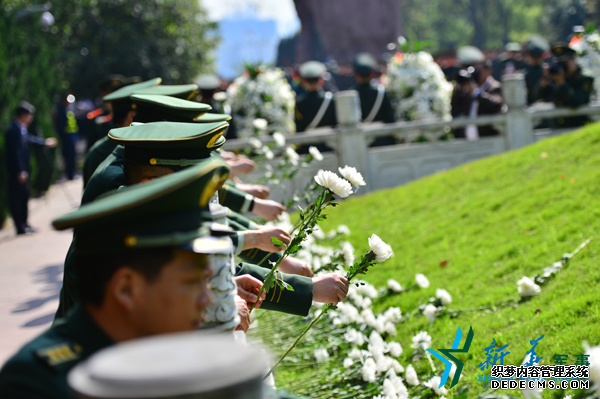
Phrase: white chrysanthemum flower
pixel 430 312
pixel 369 370
pixel 355 353
pixel 318 233
pixel 381 250
pixel 397 366
pixel 260 123
pixel 422 339
pixel 343 229
pixel 384 363
pixel 254 142
pixel 376 342
pixel 348 362
pixel 269 154
pixel 315 153
pixel 367 290
pixel 443 296
pixel 527 287
pixel 354 336
pixel 594 360
pixel 390 328
pixel 333 183
pixel 401 391
pixel 392 314
pixel 411 376
pixel 321 355
pixel 395 349
pixel 352 175
pixel 434 385
pixel 279 139
pixel 348 253
pixel 292 156
pixel 422 281
pixel 389 390
pixel 369 317
pixel 394 286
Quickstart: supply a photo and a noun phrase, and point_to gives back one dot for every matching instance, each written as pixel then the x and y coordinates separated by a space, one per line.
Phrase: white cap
pixel 172 365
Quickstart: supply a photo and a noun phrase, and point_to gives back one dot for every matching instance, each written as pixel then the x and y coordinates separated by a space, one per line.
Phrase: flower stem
pixel 312 323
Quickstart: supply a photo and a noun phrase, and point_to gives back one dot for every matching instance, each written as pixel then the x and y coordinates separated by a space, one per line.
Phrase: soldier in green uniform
pixel 156 149
pixel 209 85
pixel 536 47
pixel 375 104
pixel 566 85
pixel 143 271
pixel 122 116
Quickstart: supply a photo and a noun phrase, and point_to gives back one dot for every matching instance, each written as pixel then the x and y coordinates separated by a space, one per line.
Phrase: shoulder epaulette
pixel 58 354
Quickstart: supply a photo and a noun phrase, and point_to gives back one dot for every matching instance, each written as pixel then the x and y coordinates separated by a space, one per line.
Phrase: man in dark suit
pixel 17 158
pixel 478 93
pixel 375 103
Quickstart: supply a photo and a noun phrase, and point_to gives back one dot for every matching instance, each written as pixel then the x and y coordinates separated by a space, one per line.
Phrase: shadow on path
pixel 51 278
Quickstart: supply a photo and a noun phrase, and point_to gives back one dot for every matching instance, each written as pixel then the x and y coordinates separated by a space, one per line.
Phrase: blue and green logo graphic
pixel 449 355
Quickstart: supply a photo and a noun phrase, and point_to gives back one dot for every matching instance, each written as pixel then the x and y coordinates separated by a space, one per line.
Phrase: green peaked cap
pixel 171 211
pixel 185 92
pixel 171 144
pixel 155 108
pixel 125 92
pixel 210 118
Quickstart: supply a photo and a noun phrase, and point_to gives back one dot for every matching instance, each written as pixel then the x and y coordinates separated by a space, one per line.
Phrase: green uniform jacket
pixel 296 302
pixel 307 107
pixel 533 74
pixel 40 368
pixel 98 153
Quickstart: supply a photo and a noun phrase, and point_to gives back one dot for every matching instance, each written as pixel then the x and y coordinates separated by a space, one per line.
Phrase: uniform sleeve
pixel 17 160
pixel 235 199
pixel 24 378
pixel 241 220
pixel 297 302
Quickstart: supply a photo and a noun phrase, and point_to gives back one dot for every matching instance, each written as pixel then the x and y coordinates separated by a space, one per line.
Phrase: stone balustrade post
pixel 351 142
pixel 519 125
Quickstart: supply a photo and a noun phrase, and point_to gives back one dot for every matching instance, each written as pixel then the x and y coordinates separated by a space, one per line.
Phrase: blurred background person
pixel 17 159
pixel 66 127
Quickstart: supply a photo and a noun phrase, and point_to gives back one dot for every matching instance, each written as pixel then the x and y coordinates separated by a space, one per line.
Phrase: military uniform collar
pixel 86 332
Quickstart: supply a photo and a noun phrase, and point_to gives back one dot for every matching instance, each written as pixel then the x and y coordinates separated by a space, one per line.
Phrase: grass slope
pixel 493 221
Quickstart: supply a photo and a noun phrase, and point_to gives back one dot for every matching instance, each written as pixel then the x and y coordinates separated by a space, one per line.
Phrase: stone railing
pixel 394 165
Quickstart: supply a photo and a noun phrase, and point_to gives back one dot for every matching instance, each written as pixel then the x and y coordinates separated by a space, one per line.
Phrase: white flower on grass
pixel 260 123
pixel 355 353
pixel 411 376
pixel 343 229
pixel 348 253
pixel 443 296
pixel 384 363
pixel 530 393
pixel 381 250
pixel 397 366
pixel 434 385
pixel 389 390
pixel 390 328
pixel 369 370
pixel 368 317
pixel 394 286
pixel 348 362
pixel 393 314
pixel 376 342
pixel 333 183
pixel 395 349
pixel 527 287
pixel 269 154
pixel 430 312
pixel 594 360
pixel 292 155
pixel 279 139
pixel 401 390
pixel 354 336
pixel 321 355
pixel 422 281
pixel 349 313
pixel 367 290
pixel 363 303
pixel 421 340
pixel 352 175
pixel 318 233
pixel 254 142
pixel 315 153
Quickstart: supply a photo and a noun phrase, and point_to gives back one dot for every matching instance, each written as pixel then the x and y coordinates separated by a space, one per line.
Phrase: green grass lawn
pixel 493 221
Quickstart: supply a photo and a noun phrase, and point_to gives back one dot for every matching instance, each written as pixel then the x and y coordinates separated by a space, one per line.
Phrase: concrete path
pixel 31 268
